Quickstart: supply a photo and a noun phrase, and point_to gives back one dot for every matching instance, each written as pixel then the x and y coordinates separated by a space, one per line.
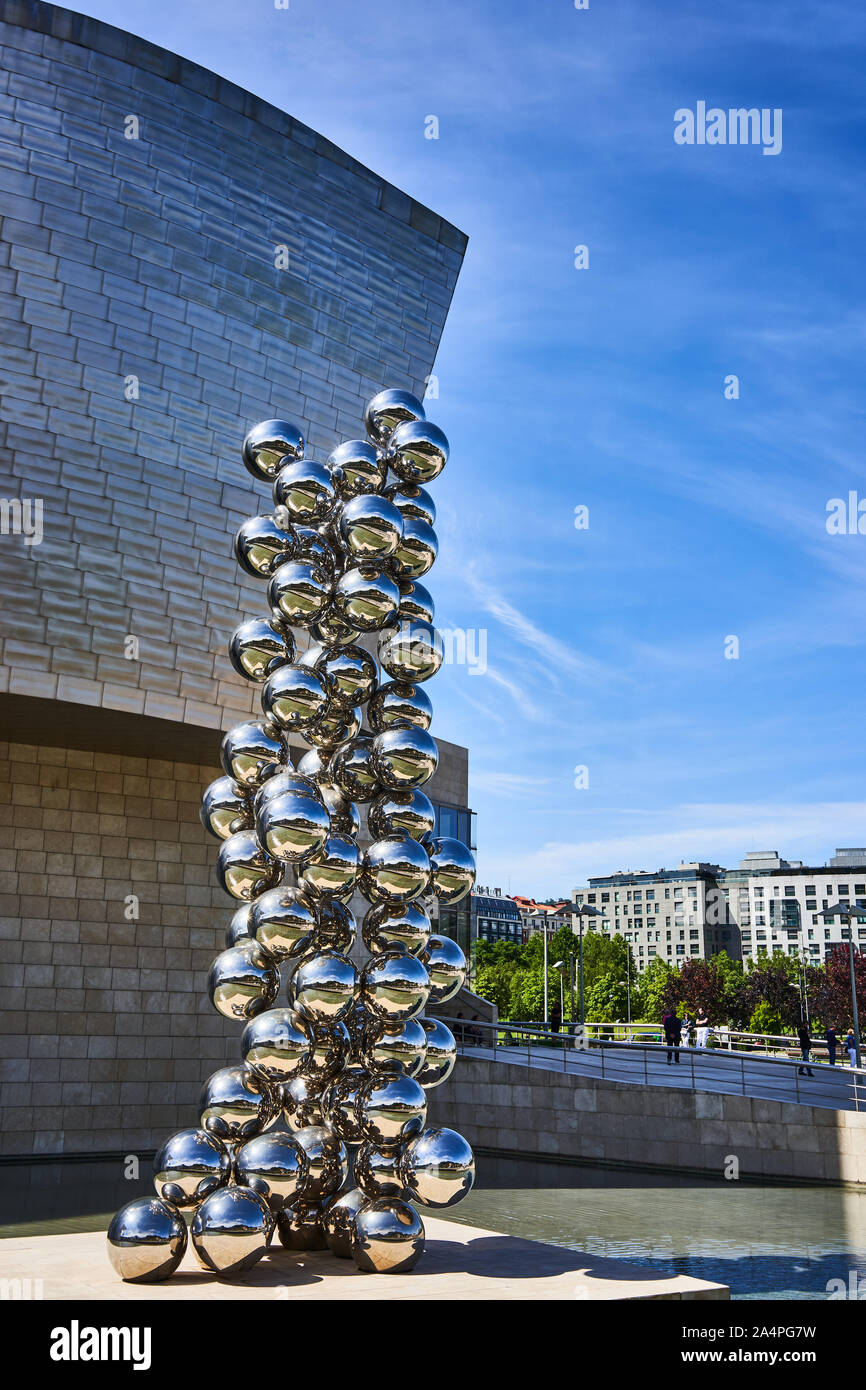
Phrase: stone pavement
pixel 460 1262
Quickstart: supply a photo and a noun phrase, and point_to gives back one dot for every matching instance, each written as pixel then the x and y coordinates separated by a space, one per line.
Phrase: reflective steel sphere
pixel 328 1160
pixel 396 1047
pixel 438 1168
pixel 325 987
pixel 300 1227
pixel 357 467
pixel 336 929
pixel 146 1241
pixel 388 1237
pixel 314 765
pixel 306 490
pixel 394 986
pixel 356 1022
pixel 404 758
pixel 231 1230
pixel 332 871
pixel 453 868
pixel 269 445
pixel 225 810
pixel 315 547
pixel 332 630
pixel 189 1166
pixel 413 502
pixel 294 697
pixel 339 1221
pixel 391 1108
pixel 259 647
pixel 238 929
pixel 370 528
pixel 283 921
pixel 446 966
pixel 302 1103
pixel 236 1103
pixel 366 598
pixel 345 819
pixel 396 869
pixel 441 1054
pixel 277 1044
pixel 274 1165
pixel 286 781
pixel 244 869
pixel 416 554
pixel 261 546
pixel 349 673
pixel 300 592
pixel 398 705
pixel 243 981
pixel 352 772
pixel 416 603
pixel 293 827
pixel 250 754
pixel 377 1172
pixel 387 410
pixel 333 728
pixel 402 813
pixel 339 1104
pixel 417 451
pixel 412 652
pixel 386 925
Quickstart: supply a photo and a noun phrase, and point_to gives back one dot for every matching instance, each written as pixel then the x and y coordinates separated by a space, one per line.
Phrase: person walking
pixel 851 1046
pixel 673 1030
pixel 702 1026
pixel 805 1039
pixel 832 1043
pixel 686 1030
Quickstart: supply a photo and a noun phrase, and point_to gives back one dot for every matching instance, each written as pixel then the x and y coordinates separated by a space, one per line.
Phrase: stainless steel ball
pixel 146 1241
pixel 244 869
pixel 236 1103
pixel 335 727
pixel 238 929
pixel 376 1171
pixel 333 630
pixel 259 647
pixel 300 1227
pixel 412 501
pixel 416 603
pixel 250 753
pixel 286 781
pixel 391 1109
pixel 388 1237
pixel 332 871
pixel 394 986
pixel 404 758
pixel 262 545
pixel 349 673
pixel 402 813
pixel 300 592
pixel 243 981
pixel 325 987
pixel 446 966
pixel 269 445
pixel 366 598
pixel 315 546
pixel 399 705
pixel 231 1231
pixel 293 827
pixel 416 554
pixel 338 1221
pixel 395 1047
pixel 453 870
pixel 412 652
pixel 387 926
pixel 338 1104
pixel 277 1045
pixel 370 528
pixel 225 809
pixel 328 1163
pixel 274 1165
pixel 345 819
pixel 306 490
pixel 294 697
pixel 351 770
pixel 438 1168
pixel 336 928
pixel 417 451
pixel 440 1056
pixel 302 1099
pixel 395 869
pixel 356 467
pixel 387 410
pixel 189 1166
pixel 283 921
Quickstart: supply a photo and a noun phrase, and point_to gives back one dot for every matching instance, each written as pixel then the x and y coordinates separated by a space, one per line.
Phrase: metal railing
pixel 769 1044
pixel 725 1071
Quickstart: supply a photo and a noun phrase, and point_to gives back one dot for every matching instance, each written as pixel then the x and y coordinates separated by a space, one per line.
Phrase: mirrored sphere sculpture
pixel 231 1230
pixel 190 1166
pixel 388 1237
pixel 269 445
pixel 243 981
pixel 274 1165
pixel 391 1109
pixel 338 1221
pixel 300 1227
pixel 236 1103
pixel 437 1168
pixel 146 1240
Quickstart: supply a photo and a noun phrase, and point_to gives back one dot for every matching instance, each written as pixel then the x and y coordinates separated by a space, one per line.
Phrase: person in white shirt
pixel 702 1024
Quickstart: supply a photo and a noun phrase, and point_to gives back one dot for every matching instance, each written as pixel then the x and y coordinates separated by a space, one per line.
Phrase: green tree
pixel 648 1000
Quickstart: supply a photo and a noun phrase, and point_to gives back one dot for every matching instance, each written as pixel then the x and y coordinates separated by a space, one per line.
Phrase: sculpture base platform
pixel 459 1262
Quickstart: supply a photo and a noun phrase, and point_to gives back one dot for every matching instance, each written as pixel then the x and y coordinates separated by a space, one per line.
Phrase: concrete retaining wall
pixel 514 1109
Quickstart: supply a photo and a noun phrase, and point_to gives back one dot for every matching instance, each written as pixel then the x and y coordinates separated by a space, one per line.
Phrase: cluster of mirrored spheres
pixel 319 1133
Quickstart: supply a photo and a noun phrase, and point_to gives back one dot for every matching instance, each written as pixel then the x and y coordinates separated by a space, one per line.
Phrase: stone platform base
pixel 460 1262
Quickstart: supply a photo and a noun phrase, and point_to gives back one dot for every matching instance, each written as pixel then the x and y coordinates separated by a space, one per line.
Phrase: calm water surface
pixel 764 1242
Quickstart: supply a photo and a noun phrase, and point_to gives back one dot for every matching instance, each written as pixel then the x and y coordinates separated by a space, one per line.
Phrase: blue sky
pixel 605 388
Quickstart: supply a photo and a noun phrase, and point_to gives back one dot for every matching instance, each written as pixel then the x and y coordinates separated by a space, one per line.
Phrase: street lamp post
pixel 557 965
pixel 583 911
pixel 840 910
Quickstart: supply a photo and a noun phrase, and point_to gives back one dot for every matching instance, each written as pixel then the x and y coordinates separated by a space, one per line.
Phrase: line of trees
pixel 764 996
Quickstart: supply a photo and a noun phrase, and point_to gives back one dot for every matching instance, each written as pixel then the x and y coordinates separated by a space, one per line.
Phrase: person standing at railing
pixel 673 1030
pixel 805 1038
pixel 851 1046
pixel 555 1019
pixel 686 1029
pixel 832 1038
pixel 702 1025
